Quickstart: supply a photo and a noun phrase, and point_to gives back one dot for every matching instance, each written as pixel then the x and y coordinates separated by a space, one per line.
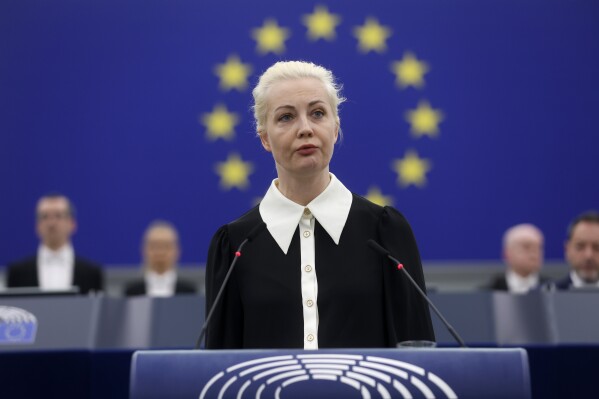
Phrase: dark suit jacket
pixel 138 287
pixel 87 275
pixel 564 283
pixel 499 282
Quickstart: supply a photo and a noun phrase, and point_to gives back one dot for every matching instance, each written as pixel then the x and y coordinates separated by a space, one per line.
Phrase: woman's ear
pixel 264 140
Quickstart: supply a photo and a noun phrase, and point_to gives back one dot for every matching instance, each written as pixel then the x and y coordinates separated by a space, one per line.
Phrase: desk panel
pixel 481 318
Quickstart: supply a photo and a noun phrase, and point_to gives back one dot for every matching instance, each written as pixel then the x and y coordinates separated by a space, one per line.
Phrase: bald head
pixel 523 249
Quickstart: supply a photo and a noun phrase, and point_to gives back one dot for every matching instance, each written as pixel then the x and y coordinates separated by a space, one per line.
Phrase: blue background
pixel 100 100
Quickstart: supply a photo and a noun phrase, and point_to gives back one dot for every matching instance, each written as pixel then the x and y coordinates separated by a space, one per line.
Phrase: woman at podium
pixel 309 279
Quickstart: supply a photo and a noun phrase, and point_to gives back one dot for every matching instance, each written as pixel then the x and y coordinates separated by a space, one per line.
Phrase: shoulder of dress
pixel 361 204
pixel 240 227
pixel 249 218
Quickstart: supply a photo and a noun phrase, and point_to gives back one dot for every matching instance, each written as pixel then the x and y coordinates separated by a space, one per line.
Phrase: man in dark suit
pixel 523 256
pixel 160 252
pixel 56 266
pixel 582 253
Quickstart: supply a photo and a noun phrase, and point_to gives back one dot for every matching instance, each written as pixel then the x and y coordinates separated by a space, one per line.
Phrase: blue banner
pixel 467 116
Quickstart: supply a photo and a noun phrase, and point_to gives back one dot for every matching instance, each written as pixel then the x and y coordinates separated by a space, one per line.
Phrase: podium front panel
pixel 356 373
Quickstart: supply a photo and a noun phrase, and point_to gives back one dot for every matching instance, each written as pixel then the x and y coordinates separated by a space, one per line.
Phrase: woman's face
pixel 300 128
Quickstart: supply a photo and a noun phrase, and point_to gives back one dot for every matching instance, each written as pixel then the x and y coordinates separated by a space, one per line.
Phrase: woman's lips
pixel 307 149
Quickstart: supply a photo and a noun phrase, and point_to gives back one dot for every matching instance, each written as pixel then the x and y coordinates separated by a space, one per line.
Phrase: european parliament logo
pixel 17 326
pixel 326 375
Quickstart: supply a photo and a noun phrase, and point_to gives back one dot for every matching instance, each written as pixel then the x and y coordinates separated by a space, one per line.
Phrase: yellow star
pixel 321 24
pixel 372 36
pixel 270 37
pixel 220 123
pixel 375 195
pixel 234 172
pixel 233 74
pixel 409 71
pixel 424 120
pixel 411 169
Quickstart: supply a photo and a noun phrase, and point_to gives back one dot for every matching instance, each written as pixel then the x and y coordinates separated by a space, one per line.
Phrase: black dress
pixel 363 300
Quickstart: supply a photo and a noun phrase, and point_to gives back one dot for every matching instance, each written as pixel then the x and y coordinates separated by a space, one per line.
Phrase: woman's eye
pixel 318 114
pixel 285 118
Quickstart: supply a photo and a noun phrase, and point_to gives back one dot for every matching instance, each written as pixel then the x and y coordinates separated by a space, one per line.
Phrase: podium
pixel 343 373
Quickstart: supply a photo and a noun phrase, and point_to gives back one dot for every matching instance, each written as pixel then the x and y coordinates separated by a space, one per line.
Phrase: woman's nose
pixel 304 129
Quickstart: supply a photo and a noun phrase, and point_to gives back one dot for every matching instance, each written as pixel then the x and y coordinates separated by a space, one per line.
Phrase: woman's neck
pixel 303 190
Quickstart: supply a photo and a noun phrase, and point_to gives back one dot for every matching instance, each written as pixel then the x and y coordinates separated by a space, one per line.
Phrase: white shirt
pixel 520 285
pixel 577 282
pixel 55 268
pixel 161 285
pixel 282 217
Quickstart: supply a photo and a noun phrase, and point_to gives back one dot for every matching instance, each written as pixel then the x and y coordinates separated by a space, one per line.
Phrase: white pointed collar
pixel 282 216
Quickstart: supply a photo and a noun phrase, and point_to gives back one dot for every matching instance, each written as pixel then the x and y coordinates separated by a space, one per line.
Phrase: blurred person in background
pixel 582 253
pixel 523 257
pixel 160 252
pixel 56 267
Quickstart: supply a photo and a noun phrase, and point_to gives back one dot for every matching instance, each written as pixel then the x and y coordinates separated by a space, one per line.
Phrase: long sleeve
pixel 407 310
pixel 226 326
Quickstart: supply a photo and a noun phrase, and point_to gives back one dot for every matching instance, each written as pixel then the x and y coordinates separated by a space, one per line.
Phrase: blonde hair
pixel 288 70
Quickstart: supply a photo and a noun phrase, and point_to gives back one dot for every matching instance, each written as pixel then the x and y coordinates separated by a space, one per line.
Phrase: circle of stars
pixel 321 24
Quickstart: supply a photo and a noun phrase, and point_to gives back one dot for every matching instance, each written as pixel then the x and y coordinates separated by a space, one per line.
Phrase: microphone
pixel 375 246
pixel 251 235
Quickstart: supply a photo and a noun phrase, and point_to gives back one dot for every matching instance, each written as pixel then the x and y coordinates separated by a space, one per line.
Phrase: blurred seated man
pixel 582 253
pixel 160 252
pixel 523 256
pixel 56 267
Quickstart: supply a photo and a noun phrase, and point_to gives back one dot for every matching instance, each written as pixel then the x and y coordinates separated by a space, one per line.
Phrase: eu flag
pixel 467 116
